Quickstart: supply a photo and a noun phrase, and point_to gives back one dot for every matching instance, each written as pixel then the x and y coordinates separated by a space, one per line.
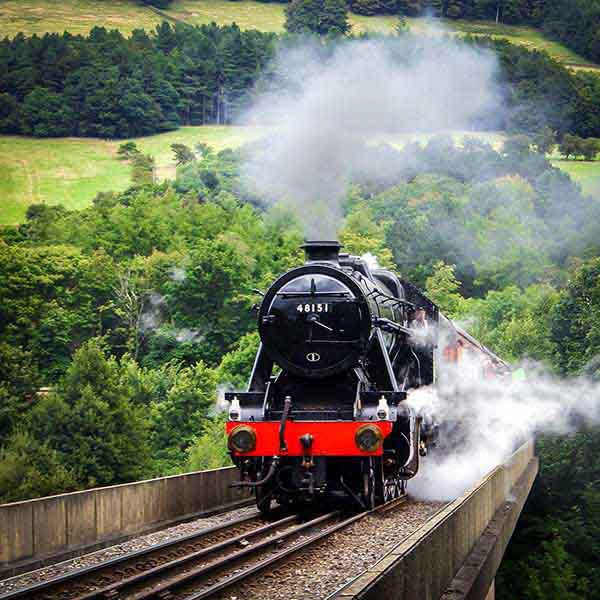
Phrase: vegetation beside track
pixel 136 308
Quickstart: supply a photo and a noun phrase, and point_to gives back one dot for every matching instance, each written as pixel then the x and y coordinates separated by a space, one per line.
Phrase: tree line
pixel 107 85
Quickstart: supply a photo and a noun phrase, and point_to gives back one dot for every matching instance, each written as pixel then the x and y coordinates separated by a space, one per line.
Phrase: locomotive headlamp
pixel 369 438
pixel 234 409
pixel 242 439
pixel 383 410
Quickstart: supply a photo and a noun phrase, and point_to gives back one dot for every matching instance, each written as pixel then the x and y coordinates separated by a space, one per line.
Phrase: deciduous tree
pixel 322 17
pixel 183 154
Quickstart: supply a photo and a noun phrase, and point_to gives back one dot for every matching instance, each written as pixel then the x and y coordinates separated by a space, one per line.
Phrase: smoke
pixel 328 104
pixel 371 260
pixel 155 316
pixel 485 420
pixel 221 405
pixel 178 274
pixel 152 315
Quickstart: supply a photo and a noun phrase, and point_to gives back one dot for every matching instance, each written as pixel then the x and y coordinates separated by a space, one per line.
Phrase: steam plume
pixel 485 420
pixel 328 104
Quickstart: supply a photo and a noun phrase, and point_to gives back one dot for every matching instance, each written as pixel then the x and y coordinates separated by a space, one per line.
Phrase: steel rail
pixel 91 569
pixel 166 587
pixel 170 583
pixel 117 587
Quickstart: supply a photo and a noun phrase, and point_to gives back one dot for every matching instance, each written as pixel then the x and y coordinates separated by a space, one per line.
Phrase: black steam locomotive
pixel 342 346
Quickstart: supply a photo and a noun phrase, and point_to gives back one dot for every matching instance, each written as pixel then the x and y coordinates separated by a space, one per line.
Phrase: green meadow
pixel 71 171
pixel 586 173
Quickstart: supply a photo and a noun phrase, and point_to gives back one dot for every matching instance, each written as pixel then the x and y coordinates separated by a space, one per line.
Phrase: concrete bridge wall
pixel 456 554
pixel 47 529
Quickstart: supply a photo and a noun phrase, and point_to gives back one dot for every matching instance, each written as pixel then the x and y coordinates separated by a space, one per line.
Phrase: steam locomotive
pixel 325 414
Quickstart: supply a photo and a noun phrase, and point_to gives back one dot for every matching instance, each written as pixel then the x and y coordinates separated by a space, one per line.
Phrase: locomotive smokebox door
pixel 314 321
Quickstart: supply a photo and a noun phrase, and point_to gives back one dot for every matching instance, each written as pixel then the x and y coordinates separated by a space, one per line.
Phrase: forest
pixel 573 22
pixel 106 85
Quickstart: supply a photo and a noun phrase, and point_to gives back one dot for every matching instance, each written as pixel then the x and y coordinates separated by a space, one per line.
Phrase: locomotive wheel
pixel 264 500
pixel 368 492
pixel 392 489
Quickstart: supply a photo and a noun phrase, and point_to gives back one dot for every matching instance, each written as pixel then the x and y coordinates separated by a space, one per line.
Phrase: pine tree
pixel 366 7
pixel 91 422
pixel 411 8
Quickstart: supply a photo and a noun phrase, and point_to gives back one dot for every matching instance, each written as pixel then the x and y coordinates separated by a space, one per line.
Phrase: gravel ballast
pixel 321 570
pixel 313 573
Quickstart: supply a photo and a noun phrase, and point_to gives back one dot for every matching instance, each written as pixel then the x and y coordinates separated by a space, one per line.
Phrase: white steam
pixel 485 420
pixel 371 260
pixel 177 274
pixel 328 105
pixel 221 405
pixel 156 316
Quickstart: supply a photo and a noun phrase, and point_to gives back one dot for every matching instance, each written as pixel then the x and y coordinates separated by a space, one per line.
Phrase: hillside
pixel 585 173
pixel 79 16
pixel 71 171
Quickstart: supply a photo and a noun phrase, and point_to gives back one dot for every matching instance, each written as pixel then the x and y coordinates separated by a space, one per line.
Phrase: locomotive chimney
pixel 322 251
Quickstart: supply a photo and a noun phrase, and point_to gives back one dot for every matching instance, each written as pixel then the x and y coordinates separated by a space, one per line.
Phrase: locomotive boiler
pixel 325 413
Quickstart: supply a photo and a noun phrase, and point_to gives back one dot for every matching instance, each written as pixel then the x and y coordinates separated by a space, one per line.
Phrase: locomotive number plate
pixel 314 308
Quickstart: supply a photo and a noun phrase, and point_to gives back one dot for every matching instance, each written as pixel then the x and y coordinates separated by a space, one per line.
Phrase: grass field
pixel 79 16
pixel 525 36
pixel 63 171
pixel 76 16
pixel 72 171
pixel 586 173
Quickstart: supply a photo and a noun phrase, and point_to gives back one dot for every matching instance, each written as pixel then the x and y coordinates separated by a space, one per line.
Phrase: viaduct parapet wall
pixel 454 556
pixel 43 530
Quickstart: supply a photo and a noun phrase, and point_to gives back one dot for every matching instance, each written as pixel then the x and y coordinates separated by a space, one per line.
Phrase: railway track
pixel 199 565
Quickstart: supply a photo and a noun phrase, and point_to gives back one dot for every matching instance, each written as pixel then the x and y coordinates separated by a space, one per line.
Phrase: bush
pixel 92 422
pixel 127 151
pixel 209 450
pixel 177 417
pixel 30 469
pixel 321 17
pixel 236 366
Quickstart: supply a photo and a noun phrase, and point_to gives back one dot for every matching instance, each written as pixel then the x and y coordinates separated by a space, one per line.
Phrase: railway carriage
pixel 325 413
